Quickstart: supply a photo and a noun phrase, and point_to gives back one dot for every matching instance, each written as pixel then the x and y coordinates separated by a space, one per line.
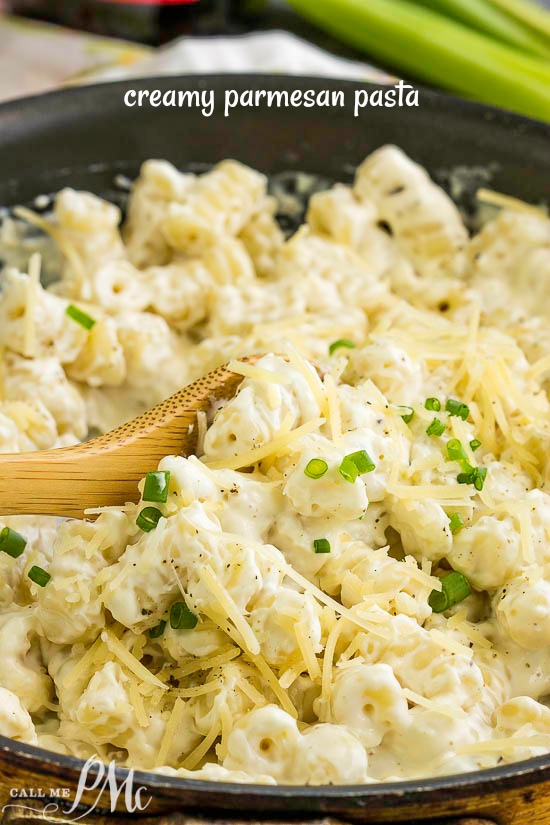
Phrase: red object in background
pixel 159 2
pixel 147 21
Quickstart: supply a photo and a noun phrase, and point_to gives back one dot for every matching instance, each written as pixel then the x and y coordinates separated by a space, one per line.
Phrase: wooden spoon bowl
pixel 105 470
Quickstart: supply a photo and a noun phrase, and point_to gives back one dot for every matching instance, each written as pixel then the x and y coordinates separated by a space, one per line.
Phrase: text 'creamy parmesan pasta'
pixel 350 582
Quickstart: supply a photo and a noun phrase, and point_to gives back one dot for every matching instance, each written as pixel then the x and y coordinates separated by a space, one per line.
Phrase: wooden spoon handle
pixel 66 482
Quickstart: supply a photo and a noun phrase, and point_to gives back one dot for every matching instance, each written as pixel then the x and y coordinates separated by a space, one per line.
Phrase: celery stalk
pixel 532 14
pixel 438 50
pixel 489 19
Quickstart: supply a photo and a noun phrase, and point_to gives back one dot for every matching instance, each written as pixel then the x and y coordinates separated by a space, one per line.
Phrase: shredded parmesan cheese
pixel 328 663
pixel 201 431
pixel 170 731
pixel 207 662
pixel 450 644
pixel 33 281
pixel 275 447
pixel 273 683
pixel 226 602
pixel 197 755
pixel 82 668
pixel 259 373
pixel 324 598
pixel 254 695
pixel 303 638
pixel 198 690
pixel 310 375
pixel 125 657
pixel 430 704
pixel 137 703
pixel 333 403
pixel 508 202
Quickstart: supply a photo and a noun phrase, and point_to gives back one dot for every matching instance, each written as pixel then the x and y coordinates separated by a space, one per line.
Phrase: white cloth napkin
pixel 270 52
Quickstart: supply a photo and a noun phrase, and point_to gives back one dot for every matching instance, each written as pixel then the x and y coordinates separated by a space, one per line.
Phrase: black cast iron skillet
pixel 83 138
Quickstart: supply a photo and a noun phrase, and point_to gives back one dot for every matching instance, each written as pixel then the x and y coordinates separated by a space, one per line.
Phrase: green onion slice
pixel 156 486
pixel 455 523
pixel 456 452
pixel 475 444
pixel 481 475
pixel 316 468
pixel 348 470
pixel 148 519
pixel 407 415
pixel 341 342
pixel 39 576
pixel 433 404
pixel 181 618
pixel 355 464
pixel 455 588
pixel 457 408
pixel 12 543
pixel 80 317
pixel 437 427
pixel 475 476
pixel 321 546
pixel 362 461
pixel 156 632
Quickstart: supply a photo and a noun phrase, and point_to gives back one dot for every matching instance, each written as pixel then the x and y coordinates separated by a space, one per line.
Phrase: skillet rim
pixel 58 104
pixel 432 97
pixel 534 770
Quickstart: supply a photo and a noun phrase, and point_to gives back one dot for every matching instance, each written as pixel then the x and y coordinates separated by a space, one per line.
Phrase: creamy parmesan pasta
pixel 350 581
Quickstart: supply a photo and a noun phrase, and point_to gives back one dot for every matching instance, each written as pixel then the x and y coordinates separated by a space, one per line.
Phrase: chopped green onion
pixel 457 408
pixel 455 588
pixel 341 342
pixel 455 523
pixel 475 476
pixel 481 475
pixel 39 576
pixel 321 546
pixel 156 632
pixel 156 486
pixel 355 464
pixel 348 470
pixel 467 477
pixel 433 404
pixel 181 618
pixel 80 316
pixel 148 519
pixel 12 543
pixel 362 461
pixel 316 468
pixel 475 444
pixel 455 451
pixel 437 427
pixel 408 415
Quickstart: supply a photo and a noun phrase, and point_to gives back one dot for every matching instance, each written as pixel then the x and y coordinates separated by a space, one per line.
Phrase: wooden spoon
pixel 105 471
